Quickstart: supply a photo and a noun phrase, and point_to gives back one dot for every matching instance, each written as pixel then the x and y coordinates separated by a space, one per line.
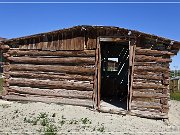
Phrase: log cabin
pixel 110 69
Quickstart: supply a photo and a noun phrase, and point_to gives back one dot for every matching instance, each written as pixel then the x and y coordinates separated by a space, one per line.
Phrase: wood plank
pixel 67 60
pixel 95 92
pixel 59 100
pixel 99 74
pixel 85 53
pixel 52 92
pixel 51 76
pixel 52 68
pixel 132 49
pixel 50 84
pixel 91 43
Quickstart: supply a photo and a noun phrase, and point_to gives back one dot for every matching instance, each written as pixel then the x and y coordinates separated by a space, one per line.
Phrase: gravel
pixel 29 118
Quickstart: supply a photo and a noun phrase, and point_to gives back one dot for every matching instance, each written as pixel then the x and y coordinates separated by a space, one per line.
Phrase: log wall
pixel 64 70
pixel 59 71
pixel 150 92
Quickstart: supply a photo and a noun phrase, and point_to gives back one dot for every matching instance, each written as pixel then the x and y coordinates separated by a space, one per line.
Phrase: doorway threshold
pixel 111 108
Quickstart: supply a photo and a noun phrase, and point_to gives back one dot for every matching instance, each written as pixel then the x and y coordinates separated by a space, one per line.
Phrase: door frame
pixel 131 41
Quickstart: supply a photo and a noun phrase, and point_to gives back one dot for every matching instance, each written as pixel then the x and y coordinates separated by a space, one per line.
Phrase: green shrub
pixel 42 115
pixel 50 130
pixel 44 122
pixel 175 96
pixel 85 121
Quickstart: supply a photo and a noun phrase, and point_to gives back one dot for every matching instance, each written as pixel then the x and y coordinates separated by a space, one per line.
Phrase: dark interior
pixel 114 73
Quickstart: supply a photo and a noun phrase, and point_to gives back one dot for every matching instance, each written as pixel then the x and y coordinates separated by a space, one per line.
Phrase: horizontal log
pixel 4 47
pixel 145 103
pixel 148 95
pixel 62 60
pixel 146 109
pixel 151 64
pixel 85 53
pixel 6 55
pixel 52 68
pixel 148 77
pixel 164 101
pixel 59 100
pixel 6 68
pixel 144 58
pixel 151 68
pixel 146 100
pixel 152 52
pixel 149 90
pixel 145 63
pixel 50 84
pixel 151 73
pixel 51 76
pixel 146 106
pixel 113 111
pixel 147 114
pixel 147 81
pixel 165 110
pixel 148 86
pixel 52 92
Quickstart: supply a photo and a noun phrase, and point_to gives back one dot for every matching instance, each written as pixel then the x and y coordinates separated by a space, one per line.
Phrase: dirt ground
pixel 41 118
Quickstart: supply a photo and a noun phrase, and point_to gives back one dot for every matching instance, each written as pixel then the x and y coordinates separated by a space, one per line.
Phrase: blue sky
pixel 24 19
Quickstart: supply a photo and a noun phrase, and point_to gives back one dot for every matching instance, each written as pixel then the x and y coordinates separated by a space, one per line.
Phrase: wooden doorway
pixel 113 74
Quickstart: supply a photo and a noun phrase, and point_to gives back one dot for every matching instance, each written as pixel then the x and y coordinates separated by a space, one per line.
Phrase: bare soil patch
pixel 39 118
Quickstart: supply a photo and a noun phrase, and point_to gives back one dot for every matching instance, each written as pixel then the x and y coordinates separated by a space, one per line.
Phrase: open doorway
pixel 114 75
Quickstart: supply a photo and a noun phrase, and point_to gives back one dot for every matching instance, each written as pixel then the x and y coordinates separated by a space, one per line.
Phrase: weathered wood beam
pixel 146 100
pixel 138 94
pixel 152 52
pixel 148 86
pixel 146 109
pixel 139 105
pixel 67 60
pixel 145 63
pixel 52 68
pixel 151 68
pixel 59 100
pixel 148 77
pixel 147 114
pixel 52 92
pixel 144 58
pixel 4 47
pixel 151 73
pixel 50 84
pixel 84 53
pixel 149 90
pixel 51 76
